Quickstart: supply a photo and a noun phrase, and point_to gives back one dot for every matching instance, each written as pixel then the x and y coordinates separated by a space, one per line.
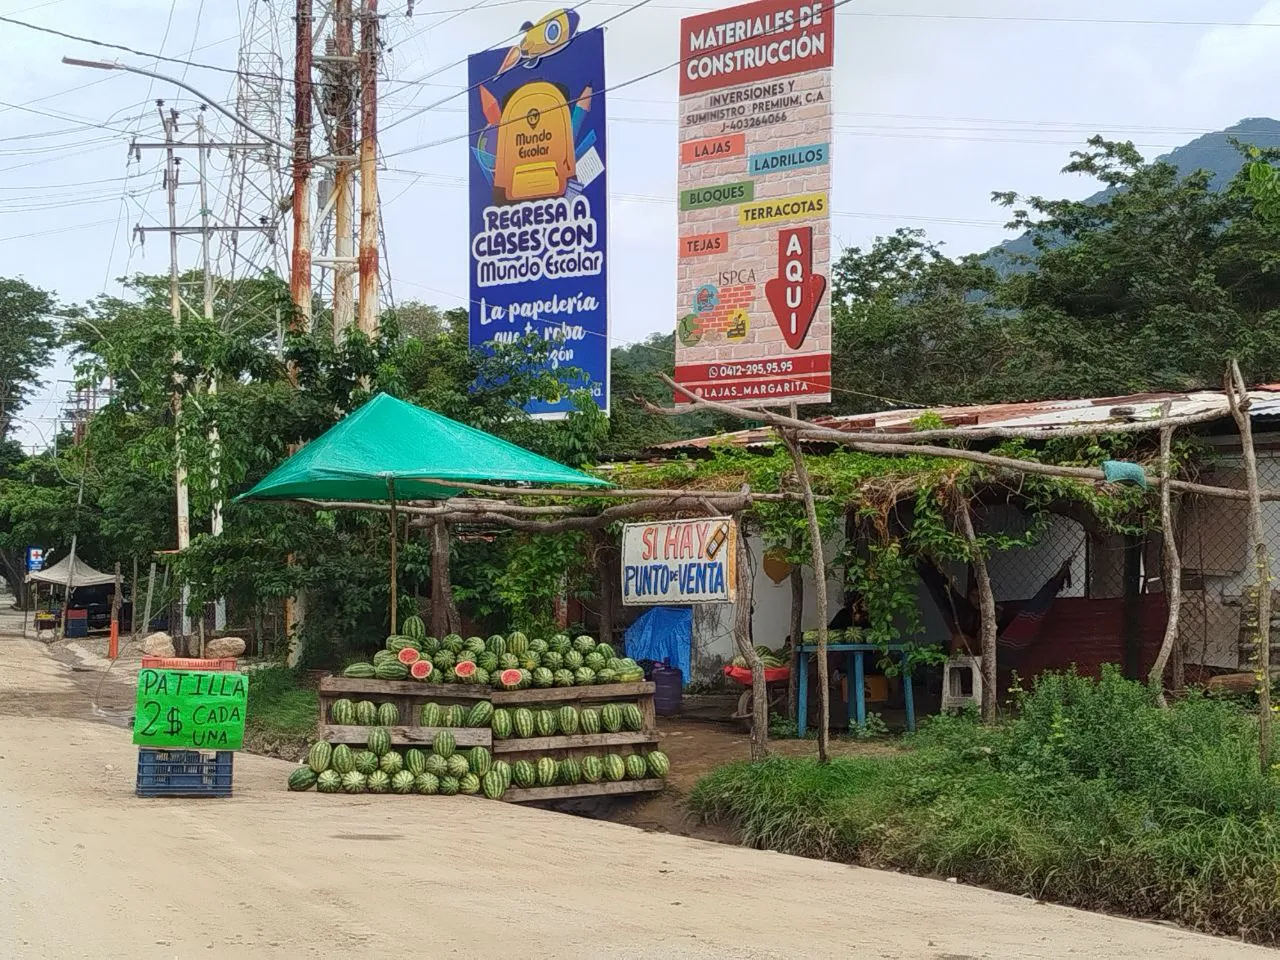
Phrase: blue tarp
pixel 663 634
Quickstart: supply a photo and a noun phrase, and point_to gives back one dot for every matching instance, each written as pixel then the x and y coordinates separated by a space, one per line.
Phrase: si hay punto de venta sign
pixel 679 561
pixel 538 204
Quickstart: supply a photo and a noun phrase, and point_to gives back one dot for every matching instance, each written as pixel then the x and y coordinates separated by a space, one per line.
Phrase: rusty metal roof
pixel 1038 414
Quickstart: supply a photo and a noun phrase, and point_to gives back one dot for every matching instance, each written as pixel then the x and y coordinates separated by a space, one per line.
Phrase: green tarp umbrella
pixel 392 450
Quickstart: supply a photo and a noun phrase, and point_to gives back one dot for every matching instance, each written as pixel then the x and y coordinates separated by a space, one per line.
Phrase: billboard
pixel 538 205
pixel 754 246
pixel 679 561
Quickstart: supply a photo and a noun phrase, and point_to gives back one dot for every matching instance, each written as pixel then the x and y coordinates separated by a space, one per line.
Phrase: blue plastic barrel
pixel 668 690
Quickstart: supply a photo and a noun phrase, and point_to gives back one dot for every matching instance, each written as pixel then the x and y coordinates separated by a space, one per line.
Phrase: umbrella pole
pixel 395 525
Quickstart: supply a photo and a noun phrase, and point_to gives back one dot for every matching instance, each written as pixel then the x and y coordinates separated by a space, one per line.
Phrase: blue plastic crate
pixel 184 773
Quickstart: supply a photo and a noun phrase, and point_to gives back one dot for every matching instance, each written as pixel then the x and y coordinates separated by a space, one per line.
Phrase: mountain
pixel 1212 151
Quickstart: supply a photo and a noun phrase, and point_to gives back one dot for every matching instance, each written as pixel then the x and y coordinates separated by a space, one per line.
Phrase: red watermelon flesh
pixel 510 679
pixel 465 668
pixel 408 656
pixel 420 670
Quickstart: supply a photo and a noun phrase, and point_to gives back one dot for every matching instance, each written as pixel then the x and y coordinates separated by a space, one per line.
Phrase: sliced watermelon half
pixel 464 670
pixel 510 679
pixel 420 669
pixel 408 656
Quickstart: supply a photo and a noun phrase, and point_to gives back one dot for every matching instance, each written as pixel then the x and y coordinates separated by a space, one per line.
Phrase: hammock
pixel 1014 630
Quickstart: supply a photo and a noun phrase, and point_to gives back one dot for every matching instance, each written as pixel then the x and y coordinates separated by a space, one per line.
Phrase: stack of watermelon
pixel 525 722
pixel 443 770
pixel 609 768
pixel 513 662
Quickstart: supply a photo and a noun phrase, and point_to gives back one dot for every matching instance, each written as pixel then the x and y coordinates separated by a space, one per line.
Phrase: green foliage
pixel 28 334
pixel 1091 796
pixel 280 703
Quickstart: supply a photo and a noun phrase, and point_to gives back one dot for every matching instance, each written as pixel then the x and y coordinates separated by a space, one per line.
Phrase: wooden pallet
pixel 410 735
pixel 579 790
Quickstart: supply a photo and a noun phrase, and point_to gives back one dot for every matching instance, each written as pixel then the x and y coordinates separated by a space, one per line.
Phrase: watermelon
pixel 559 643
pixel 448 786
pixel 444 744
pixel 429 715
pixel 584 644
pixel 415 761
pixel 589 720
pixel 632 718
pixel 391 763
pixel 611 718
pixel 487 661
pixel 360 671
pixel 413 627
pixel 658 764
pixel 606 676
pixel 455 715
pixel 542 677
pixel 547 770
pixel 594 661
pixel 572 660
pixel 430 645
pixel 379 782
pixel 457 765
pixel 383 656
pixel 426 783
pixel 398 644
pixel 592 769
pixel 538 645
pixel 343 759
pixel 343 712
pixel 436 765
pixel 474 645
pixel 530 662
pixel 503 769
pixel 304 778
pixel 567 720
pixel 494 785
pixel 319 755
pixel 584 677
pixel 379 741
pixel 354 782
pixel 482 677
pixel 480 761
pixel 453 643
pixel 508 661
pixel 510 679
pixel 563 678
pixel 569 771
pixel 523 774
pixel 469 784
pixel 409 656
pixel 522 722
pixel 402 782
pixel 388 715
pixel 614 768
pixel 636 767
pixel 443 659
pixel 517 643
pixel 465 670
pixel 395 670
pixel 481 714
pixel 526 679
pixel 500 724
pixel 546 723
pixel 366 762
pixel 330 781
pixel 496 644
pixel 366 713
pixel 421 670
pixel 552 660
pixel 605 651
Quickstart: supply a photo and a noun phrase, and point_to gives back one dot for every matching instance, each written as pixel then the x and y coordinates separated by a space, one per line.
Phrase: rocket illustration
pixel 541 39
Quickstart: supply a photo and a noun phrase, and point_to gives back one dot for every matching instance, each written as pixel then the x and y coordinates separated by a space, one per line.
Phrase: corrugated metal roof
pixel 1041 414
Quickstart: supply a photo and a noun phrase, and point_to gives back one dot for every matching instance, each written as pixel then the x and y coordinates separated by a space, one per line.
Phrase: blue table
pixel 855 670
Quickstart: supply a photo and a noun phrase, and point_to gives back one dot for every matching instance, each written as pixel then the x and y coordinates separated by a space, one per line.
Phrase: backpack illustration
pixel 535 157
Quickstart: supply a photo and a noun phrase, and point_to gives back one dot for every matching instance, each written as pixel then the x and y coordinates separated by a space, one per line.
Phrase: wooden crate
pixel 408 696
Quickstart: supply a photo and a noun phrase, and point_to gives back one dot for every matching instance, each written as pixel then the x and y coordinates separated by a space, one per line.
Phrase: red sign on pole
pixel 794 294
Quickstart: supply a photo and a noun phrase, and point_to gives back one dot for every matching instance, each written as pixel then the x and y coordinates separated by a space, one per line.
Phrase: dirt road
pixel 88 870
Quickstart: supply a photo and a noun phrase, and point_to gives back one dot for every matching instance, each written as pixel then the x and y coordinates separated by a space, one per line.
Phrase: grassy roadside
pixel 1092 796
pixel 282 712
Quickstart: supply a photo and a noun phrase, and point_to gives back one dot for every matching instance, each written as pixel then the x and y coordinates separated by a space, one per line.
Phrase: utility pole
pixel 368 316
pixel 342 107
pixel 300 260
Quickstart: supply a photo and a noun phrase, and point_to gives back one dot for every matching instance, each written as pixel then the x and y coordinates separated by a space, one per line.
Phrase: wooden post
pixel 133 609
pixel 1172 562
pixel 146 611
pixel 986 608
pixel 742 636
pixel 113 644
pixel 1238 399
pixel 820 594
pixel 444 616
pixel 605 572
pixel 395 536
pixel 796 633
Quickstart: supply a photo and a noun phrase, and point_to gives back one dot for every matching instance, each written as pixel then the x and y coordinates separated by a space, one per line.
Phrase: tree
pixel 28 334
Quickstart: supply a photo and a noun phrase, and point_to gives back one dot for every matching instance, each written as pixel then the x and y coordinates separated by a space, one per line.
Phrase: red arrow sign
pixel 794 294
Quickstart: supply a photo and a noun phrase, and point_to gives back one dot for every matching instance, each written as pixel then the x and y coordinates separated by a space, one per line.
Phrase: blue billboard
pixel 539 206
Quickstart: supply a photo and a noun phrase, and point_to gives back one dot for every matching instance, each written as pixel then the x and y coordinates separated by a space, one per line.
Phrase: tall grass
pixel 280 703
pixel 1091 796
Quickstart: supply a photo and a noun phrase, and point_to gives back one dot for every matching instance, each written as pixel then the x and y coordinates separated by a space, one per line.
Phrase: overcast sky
pixel 937 103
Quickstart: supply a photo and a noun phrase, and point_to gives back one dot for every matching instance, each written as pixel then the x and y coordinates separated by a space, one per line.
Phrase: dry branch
pixel 1172 561
pixel 746 649
pixel 986 609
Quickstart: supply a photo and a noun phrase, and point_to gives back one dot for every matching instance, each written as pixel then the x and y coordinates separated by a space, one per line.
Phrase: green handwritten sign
pixel 190 708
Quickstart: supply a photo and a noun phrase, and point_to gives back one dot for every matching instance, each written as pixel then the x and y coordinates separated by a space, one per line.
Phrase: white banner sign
pixel 679 561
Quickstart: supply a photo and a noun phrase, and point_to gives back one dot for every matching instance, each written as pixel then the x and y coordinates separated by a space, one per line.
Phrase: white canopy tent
pixel 71 569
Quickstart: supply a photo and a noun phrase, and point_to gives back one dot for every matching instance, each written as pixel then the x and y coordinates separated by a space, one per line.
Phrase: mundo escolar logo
pixel 538 200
